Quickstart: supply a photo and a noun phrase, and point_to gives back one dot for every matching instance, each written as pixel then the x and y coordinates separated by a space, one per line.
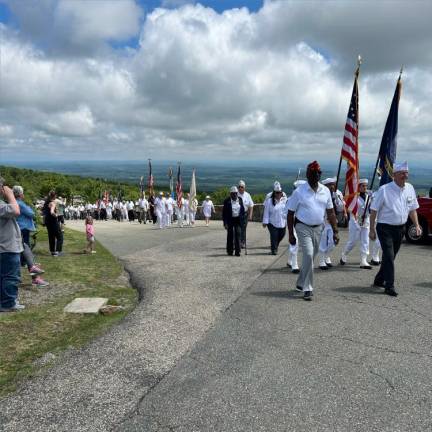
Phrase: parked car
pixel 424 213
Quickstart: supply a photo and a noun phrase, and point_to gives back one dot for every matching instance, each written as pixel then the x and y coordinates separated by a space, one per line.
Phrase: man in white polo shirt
pixel 248 206
pixel 391 206
pixel 310 202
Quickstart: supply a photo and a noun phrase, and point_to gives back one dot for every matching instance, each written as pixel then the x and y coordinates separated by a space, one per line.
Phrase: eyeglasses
pixel 241 187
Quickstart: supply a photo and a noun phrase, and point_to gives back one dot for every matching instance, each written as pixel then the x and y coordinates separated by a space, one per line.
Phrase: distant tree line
pixel 37 184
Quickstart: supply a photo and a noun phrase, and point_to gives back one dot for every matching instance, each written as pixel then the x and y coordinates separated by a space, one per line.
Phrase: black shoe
pixel 342 262
pixel 307 296
pixel 230 253
pixel 288 265
pixel 329 264
pixel 323 267
pixel 375 263
pixel 295 271
pixel 379 284
pixel 299 288
pixel 273 253
pixel 368 267
pixel 391 292
pixel 237 254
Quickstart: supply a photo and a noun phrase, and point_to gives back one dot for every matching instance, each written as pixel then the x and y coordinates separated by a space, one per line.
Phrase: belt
pixel 299 221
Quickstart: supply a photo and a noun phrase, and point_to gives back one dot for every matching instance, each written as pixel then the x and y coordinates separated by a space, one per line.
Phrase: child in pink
pixel 90 231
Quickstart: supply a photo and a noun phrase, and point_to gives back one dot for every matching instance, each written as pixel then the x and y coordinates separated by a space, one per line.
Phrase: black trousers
pixel 55 237
pixel 233 236
pixel 243 230
pixel 276 236
pixel 390 237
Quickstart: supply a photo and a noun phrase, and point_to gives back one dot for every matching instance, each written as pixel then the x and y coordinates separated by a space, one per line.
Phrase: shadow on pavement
pixel 289 295
pixel 360 290
pixel 424 285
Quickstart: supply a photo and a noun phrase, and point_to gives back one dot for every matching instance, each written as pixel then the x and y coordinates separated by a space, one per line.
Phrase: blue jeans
pixel 10 277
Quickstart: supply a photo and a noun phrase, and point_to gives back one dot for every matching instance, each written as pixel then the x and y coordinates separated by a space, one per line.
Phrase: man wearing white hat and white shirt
pixel 170 210
pixel 186 209
pixel 207 209
pixel 293 249
pixel 179 211
pixel 326 242
pixel 359 228
pixel 160 210
pixel 392 204
pixel 248 206
pixel 309 204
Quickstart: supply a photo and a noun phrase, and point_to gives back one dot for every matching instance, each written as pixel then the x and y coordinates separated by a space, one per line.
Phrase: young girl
pixel 90 235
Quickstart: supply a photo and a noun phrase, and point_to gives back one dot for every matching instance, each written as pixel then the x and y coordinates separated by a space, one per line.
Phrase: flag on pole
pixel 171 181
pixel 141 185
pixel 150 179
pixel 387 152
pixel 350 149
pixel 192 193
pixel 179 188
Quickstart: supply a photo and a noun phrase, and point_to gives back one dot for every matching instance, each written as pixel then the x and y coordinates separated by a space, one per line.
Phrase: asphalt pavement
pixel 223 343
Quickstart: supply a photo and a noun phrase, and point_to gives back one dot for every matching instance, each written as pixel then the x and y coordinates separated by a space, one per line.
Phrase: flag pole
pixel 356 74
pixel 368 201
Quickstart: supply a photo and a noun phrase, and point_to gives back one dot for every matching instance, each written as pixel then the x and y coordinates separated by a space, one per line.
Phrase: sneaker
pixel 391 292
pixel 299 288
pixel 307 296
pixel 15 308
pixel 93 252
pixel 295 271
pixel 54 254
pixel 39 282
pixel 34 270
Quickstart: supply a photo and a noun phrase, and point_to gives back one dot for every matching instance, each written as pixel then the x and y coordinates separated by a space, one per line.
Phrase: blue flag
pixel 387 152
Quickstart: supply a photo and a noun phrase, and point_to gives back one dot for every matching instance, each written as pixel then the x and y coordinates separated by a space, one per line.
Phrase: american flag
pixel 179 188
pixel 350 151
pixel 150 178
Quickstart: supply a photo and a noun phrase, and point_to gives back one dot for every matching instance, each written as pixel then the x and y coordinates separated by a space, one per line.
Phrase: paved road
pixel 218 348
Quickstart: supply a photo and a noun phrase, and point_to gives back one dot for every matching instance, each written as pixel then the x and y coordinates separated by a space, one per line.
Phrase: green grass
pixel 41 328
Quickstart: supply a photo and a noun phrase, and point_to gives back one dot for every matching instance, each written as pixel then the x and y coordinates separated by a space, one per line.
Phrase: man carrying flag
pixel 394 201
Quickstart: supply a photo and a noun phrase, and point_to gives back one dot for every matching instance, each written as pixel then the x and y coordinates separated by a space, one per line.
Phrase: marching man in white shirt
pixel 326 243
pixel 186 209
pixel 207 209
pixel 160 209
pixel 248 206
pixel 392 204
pixel 359 228
pixel 170 210
pixel 309 203
pixel 293 249
pixel 143 209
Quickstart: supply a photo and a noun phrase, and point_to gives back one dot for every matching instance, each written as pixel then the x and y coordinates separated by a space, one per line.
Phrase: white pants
pixel 169 217
pixel 186 216
pixel 161 218
pixel 192 216
pixel 376 247
pixel 179 215
pixel 326 242
pixel 357 233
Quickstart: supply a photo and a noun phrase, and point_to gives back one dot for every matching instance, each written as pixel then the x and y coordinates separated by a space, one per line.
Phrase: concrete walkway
pixel 225 344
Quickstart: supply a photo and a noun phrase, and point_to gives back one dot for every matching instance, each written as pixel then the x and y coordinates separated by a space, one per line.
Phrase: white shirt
pixel 339 201
pixel 207 207
pixel 169 204
pixel 247 200
pixel 235 205
pixel 186 204
pixel 393 203
pixel 143 203
pixel 310 206
pixel 275 214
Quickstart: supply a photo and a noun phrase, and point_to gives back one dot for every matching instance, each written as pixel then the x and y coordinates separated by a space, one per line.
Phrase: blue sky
pixel 269 80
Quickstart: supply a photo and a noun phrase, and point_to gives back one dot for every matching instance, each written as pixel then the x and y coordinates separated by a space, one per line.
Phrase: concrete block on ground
pixel 86 305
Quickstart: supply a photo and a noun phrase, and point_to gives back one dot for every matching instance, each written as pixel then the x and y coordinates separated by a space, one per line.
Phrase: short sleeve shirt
pixel 310 206
pixel 393 203
pixel 247 200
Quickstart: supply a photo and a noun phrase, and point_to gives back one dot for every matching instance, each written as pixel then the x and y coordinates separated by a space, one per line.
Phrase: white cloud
pixel 203 84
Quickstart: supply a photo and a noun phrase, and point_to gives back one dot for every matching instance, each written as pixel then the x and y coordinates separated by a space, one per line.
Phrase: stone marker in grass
pixel 86 305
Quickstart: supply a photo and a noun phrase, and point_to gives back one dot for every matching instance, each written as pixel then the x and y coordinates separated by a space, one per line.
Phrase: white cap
pixel 400 166
pixel 160 193
pixel 329 180
pixel 364 181
pixel 277 186
pixel 242 183
pixel 207 197
pixel 298 183
pixel 233 189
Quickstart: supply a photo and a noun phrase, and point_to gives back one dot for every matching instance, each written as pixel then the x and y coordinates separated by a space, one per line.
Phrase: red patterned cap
pixel 314 166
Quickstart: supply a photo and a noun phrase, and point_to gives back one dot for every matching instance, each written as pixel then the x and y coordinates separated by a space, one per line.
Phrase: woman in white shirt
pixel 207 209
pixel 274 217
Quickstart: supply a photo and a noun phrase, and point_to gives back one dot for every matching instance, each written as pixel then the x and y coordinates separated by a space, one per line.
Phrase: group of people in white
pixel 276 208
pixel 184 210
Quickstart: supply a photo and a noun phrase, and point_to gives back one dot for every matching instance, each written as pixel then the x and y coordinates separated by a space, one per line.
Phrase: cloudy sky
pixel 216 79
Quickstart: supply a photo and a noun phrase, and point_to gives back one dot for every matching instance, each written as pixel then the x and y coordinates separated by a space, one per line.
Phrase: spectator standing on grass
pixel 26 225
pixel 90 235
pixel 10 250
pixel 55 235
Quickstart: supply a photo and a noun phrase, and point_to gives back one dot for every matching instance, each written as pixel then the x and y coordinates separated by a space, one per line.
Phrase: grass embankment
pixel 43 327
